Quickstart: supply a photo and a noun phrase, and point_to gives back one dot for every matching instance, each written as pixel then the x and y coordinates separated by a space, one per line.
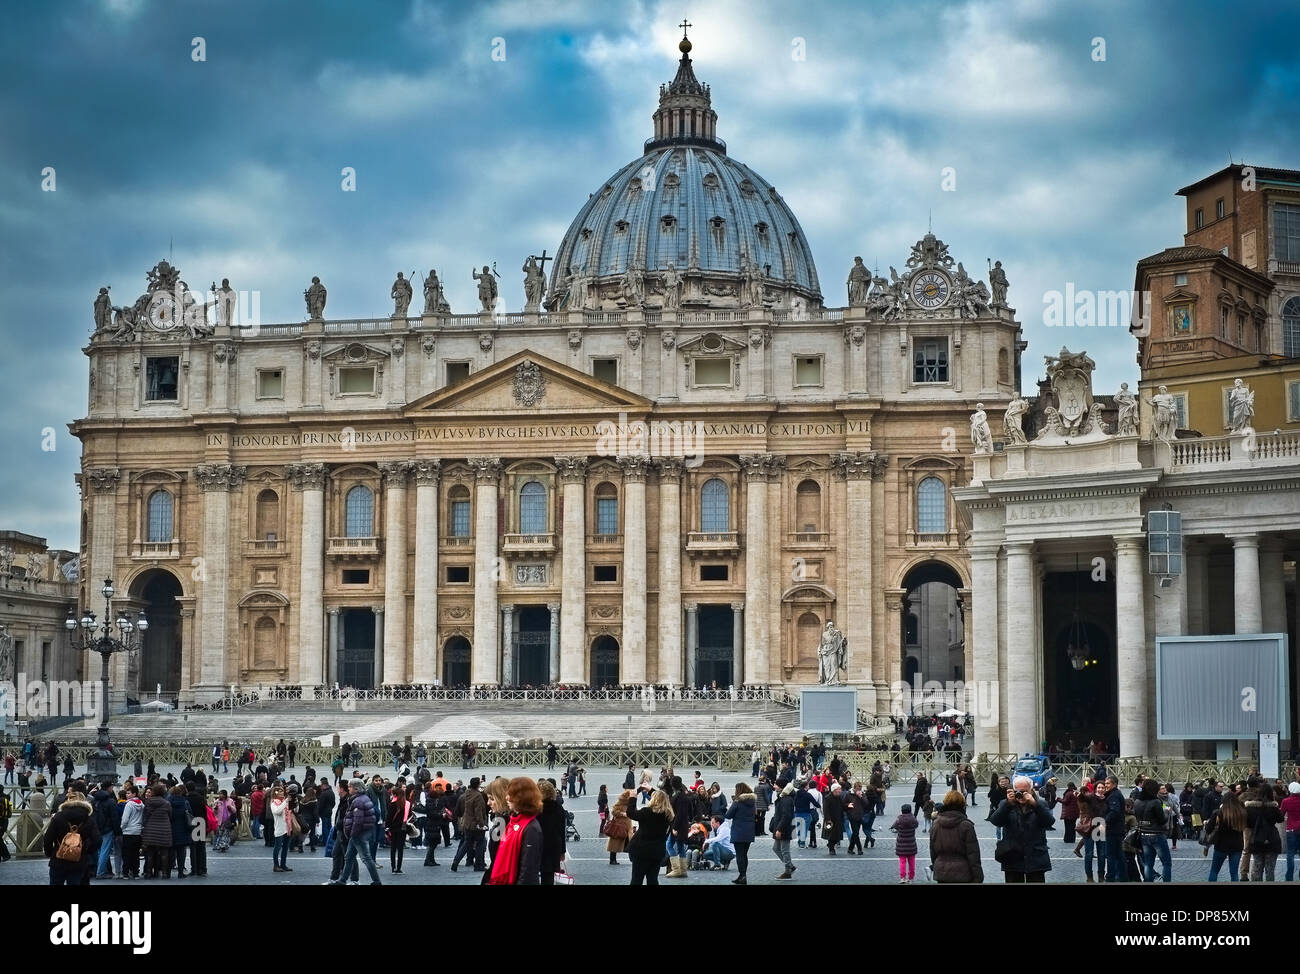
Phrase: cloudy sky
pixel 1065 163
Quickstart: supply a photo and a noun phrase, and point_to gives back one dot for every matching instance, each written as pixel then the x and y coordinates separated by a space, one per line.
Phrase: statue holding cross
pixel 534 282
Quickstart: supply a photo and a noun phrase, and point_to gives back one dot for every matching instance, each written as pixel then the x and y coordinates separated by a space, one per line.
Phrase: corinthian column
pixel 395 474
pixel 216 480
pixel 99 485
pixel 1248 615
pixel 633 669
pixel 487 472
pixel 309 480
pixel 858 469
pixel 426 572
pixel 1131 647
pixel 670 570
pixel 573 591
pixel 1022 680
pixel 757 468
pixel 983 685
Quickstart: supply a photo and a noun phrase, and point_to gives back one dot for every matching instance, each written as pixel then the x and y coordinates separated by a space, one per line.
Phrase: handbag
pixel 295 826
pixel 212 819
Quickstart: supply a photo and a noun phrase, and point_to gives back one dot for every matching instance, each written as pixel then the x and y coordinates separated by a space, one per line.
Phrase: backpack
pixel 70 847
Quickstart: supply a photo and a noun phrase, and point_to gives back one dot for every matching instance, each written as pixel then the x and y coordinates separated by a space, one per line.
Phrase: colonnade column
pixel 100 485
pixel 426 572
pixel 757 467
pixel 1272 586
pixel 573 577
pixel 554 657
pixel 379 645
pixel 1247 611
pixel 309 480
pixel 483 664
pixel 740 648
pixel 507 645
pixel 217 480
pixel 1022 644
pixel 332 655
pixel 692 642
pixel 858 469
pixel 670 571
pixel 395 474
pixel 633 668
pixel 1131 646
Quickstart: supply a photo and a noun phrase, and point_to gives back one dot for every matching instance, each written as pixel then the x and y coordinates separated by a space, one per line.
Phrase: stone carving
pixel 306 476
pixel 761 466
pixel 485 340
pixel 313 350
pixel 758 337
pixel 103 310
pixel 487 288
pixel 972 297
pixel 530 575
pixel 572 468
pixel 859 283
pixel 486 469
pixel 167 305
pixel 395 472
pixel 35 570
pixel 434 302
pixel 219 476
pixel 672 288
pixel 859 465
pixel 426 472
pixel 752 288
pixel 832 655
pixel 634 468
pixel 855 335
pixel 575 339
pixel 224 352
pixel 1127 422
pixel 401 294
pixel 1012 419
pixel 634 285
pixel 1241 407
pixel 1166 418
pixel 429 344
pixel 534 285
pixel 104 479
pixel 398 347
pixel 888 297
pixel 998 281
pixel 1070 375
pixel 6 560
pixel 980 434
pixel 929 251
pixel 315 298
pixel 634 338
pixel 227 299
pixel 575 290
pixel 669 340
pixel 530 384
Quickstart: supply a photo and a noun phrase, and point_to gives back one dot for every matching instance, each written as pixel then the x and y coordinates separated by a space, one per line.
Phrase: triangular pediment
pixel 528 382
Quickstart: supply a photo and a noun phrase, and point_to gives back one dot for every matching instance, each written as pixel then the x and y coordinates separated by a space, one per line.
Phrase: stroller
pixel 570 829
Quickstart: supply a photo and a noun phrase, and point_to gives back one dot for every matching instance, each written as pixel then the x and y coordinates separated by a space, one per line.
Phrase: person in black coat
pixel 646 850
pixel 1024 819
pixel 198 802
pixel 552 822
pixel 77 813
pixel 921 792
pixel 180 828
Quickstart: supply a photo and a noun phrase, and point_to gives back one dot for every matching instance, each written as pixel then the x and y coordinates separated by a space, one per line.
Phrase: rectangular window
pixel 1241 330
pixel 356 381
pixel 605 369
pixel 1293 402
pixel 356 576
pixel 1165 542
pixel 1223 323
pixel 808 371
pixel 1286 231
pixel 713 371
pixel 1200 218
pixel 270 384
pixel 458 574
pixel 604 573
pixel 161 378
pixel 1180 280
pixel 930 360
pixel 1218 209
pixel 714 573
pixel 1180 410
pixel 457 372
pixel 607 515
pixel 460 519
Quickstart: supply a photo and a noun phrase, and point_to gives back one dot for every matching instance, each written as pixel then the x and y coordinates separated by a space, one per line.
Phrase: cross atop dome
pixel 685 114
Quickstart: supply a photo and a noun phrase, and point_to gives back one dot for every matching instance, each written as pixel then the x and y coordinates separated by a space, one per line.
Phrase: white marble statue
pixel 832 655
pixel 980 434
pixel 487 288
pixel 1241 406
pixel 1166 418
pixel 1127 423
pixel 401 295
pixel 1011 421
pixel 859 283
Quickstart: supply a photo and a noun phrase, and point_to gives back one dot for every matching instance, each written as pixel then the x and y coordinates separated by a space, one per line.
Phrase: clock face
pixel 931 289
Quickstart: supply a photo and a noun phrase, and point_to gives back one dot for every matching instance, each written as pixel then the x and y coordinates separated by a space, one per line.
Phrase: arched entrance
pixel 357 653
pixel 533 646
pixel 160 650
pixel 604 662
pixel 455 662
pixel 933 637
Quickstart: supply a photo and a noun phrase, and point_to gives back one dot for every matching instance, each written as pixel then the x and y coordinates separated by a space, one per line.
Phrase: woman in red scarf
pixel 518 861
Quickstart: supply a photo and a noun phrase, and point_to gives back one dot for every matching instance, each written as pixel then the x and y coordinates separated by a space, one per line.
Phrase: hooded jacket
pixel 132 815
pixel 76 810
pixel 180 819
pixel 741 816
pixel 955 848
pixel 783 817
pixel 106 815
pixel 157 829
pixel 905 828
pixel 360 817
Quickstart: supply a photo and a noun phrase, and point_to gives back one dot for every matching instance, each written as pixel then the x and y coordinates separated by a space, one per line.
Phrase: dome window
pixel 620 226
pixel 634 187
pixel 606 190
pixel 672 181
pixel 747 187
pixel 668 223
pixel 586 233
pixel 717 223
pixel 761 229
pixel 710 180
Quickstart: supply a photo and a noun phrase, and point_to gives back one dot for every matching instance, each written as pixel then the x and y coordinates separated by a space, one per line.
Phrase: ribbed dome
pixel 686 202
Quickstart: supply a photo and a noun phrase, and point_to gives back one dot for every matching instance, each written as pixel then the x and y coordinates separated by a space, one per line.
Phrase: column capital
pixel 395 472
pixel 1022 548
pixel 332 610
pixel 104 479
pixel 486 469
pixel 572 467
pixel 507 607
pixel 306 476
pixel 377 609
pixel 669 468
pixel 554 607
pixel 1129 542
pixel 761 466
pixel 983 552
pixel 426 472
pixel 894 598
pixel 738 606
pixel 220 476
pixel 634 468
pixel 1250 540
pixel 690 606
pixel 859 465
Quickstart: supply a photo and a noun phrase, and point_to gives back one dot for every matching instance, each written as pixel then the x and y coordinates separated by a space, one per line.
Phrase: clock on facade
pixel 931 289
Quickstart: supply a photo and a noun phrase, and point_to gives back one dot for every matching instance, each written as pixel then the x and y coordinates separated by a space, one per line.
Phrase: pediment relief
pixel 263 600
pixel 932 463
pixel 356 353
pixel 1180 295
pixel 527 381
pixel 711 343
pixel 158 477
pixel 805 465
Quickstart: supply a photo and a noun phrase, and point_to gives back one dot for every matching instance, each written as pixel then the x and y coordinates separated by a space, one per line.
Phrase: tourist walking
pixel 1224 833
pixel 904 828
pixel 1153 829
pixel 359 827
pixel 782 828
pixel 471 815
pixel 833 818
pixel 741 816
pixel 954 846
pixel 1262 818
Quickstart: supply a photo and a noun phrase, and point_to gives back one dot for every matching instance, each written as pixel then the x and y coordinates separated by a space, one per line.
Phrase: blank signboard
pixel 1221 687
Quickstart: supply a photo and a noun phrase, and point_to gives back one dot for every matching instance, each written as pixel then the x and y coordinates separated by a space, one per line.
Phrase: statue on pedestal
pixel 534 285
pixel 315 297
pixel 980 434
pixel 401 294
pixel 103 310
pixel 998 282
pixel 1166 418
pixel 1126 402
pixel 487 288
pixel 1241 406
pixel 832 655
pixel 1011 421
pixel 859 283
pixel 434 302
pixel 672 288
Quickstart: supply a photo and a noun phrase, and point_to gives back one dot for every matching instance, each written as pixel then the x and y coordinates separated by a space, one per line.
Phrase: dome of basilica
pixel 684 211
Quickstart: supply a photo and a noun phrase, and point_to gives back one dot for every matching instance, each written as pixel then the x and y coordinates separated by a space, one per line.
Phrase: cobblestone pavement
pixel 249 861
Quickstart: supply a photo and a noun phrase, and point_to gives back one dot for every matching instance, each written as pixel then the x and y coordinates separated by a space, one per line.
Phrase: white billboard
pixel 1221 687
pixel 828 710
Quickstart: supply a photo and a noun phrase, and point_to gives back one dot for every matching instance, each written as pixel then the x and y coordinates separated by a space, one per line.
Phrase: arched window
pixel 160 516
pixel 715 507
pixel 458 501
pixel 606 508
pixel 268 515
pixel 532 508
pixel 1291 328
pixel 931 506
pixel 808 506
pixel 359 508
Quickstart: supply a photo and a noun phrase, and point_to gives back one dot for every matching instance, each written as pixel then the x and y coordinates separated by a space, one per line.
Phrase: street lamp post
pixel 97 637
